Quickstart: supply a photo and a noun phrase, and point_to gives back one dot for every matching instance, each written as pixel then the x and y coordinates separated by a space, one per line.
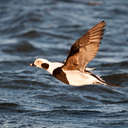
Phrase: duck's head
pixel 41 63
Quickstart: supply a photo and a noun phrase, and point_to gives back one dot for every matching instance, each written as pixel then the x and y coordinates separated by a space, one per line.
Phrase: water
pixel 30 97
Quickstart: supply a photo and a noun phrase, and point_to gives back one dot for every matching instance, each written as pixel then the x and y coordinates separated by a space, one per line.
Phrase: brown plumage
pixel 85 48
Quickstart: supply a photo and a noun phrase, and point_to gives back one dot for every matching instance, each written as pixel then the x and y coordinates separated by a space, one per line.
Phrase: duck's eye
pixel 38 62
pixel 45 65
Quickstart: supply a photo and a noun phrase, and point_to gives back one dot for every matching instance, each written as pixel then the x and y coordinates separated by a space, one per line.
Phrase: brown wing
pixel 85 48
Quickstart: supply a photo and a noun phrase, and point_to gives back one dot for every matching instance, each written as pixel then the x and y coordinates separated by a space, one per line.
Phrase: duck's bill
pixel 32 64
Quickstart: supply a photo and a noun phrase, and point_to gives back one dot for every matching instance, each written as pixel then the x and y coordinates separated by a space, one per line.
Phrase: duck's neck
pixel 53 66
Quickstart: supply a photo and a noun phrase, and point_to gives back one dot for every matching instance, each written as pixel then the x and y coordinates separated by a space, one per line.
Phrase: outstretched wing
pixel 85 48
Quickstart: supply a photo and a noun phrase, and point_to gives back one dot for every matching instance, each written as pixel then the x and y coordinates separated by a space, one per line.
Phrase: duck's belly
pixel 77 78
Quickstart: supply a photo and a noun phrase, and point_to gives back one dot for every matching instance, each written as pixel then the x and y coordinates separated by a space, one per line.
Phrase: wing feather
pixel 85 48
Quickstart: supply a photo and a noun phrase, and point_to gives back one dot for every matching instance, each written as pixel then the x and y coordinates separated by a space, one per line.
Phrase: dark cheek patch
pixel 45 65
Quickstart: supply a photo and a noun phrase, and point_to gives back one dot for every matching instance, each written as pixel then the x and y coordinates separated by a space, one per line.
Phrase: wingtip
pixel 103 22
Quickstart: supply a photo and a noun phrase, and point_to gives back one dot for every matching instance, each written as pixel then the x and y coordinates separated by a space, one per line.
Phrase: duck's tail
pixel 101 81
pixel 108 83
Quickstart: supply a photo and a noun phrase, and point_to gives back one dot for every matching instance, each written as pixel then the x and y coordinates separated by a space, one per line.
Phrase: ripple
pixel 21 48
pixel 123 64
pixel 118 79
pixel 65 112
pixel 61 98
pixel 91 3
pixel 30 34
pixel 119 11
pixel 8 105
pixel 114 102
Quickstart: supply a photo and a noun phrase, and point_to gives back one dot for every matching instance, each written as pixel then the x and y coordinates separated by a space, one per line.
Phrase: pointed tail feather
pixel 109 84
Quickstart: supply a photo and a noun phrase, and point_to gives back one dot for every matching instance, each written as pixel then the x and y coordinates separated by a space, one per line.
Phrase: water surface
pixel 30 97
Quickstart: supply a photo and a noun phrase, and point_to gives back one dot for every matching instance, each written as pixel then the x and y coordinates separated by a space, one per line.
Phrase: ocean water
pixel 30 97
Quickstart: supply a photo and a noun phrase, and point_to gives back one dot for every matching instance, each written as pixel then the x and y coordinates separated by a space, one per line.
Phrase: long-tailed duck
pixel 74 71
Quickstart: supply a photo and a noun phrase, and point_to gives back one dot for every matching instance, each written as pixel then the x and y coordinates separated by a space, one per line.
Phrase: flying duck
pixel 74 70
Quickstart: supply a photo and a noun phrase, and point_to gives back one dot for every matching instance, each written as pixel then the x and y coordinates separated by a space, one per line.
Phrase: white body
pixel 77 78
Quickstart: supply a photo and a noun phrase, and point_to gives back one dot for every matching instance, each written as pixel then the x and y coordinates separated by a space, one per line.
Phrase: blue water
pixel 30 97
